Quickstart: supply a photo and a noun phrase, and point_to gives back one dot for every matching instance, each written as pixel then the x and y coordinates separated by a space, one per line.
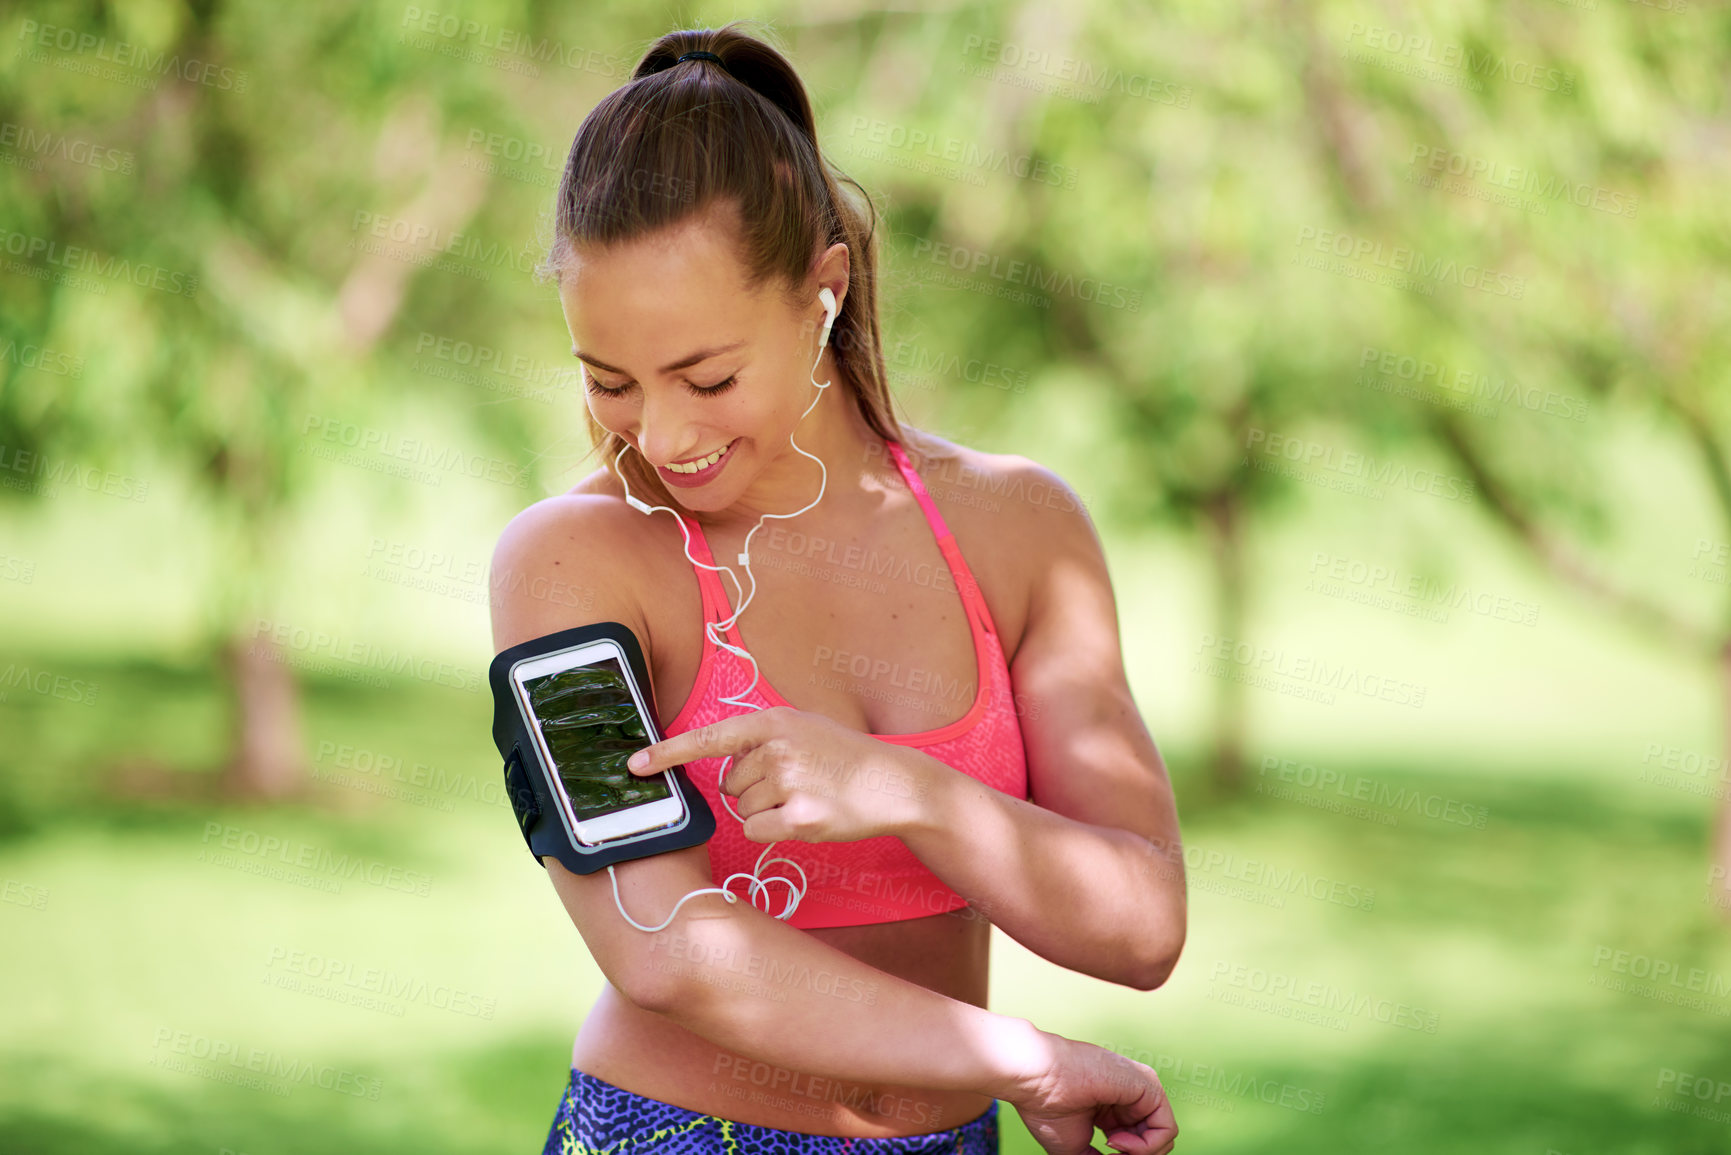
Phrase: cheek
pixel 604 411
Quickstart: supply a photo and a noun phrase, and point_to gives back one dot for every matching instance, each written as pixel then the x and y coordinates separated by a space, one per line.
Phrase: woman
pixel 961 743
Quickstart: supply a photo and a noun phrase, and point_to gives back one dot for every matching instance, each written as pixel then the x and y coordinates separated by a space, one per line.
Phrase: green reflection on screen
pixel 591 727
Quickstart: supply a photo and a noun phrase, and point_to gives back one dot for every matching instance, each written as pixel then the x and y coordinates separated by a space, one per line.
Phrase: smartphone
pixel 587 715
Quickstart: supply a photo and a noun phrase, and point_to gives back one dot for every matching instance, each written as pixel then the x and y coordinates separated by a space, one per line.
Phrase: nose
pixel 664 429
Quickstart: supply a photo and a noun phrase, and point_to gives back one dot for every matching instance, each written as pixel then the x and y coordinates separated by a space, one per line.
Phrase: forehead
pixel 681 283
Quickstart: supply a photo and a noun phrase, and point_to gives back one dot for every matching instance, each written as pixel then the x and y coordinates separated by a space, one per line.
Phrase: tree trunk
pixel 267 758
pixel 1226 546
pixel 1719 874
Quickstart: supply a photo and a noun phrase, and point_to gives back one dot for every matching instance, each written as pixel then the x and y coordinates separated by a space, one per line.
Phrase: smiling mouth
pixel 698 465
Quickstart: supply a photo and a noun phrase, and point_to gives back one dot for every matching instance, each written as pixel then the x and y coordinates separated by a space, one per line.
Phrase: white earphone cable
pixel 715 632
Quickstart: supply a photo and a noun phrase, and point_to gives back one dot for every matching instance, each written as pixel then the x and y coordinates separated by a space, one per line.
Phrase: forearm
pixel 769 991
pixel 1095 899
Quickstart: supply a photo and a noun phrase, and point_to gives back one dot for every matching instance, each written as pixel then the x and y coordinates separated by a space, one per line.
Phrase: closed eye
pixel 701 391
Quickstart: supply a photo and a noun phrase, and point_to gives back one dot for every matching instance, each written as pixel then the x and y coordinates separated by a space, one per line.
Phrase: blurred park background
pixel 1387 343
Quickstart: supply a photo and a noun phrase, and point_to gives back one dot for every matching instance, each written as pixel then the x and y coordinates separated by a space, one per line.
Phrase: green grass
pixel 1493 931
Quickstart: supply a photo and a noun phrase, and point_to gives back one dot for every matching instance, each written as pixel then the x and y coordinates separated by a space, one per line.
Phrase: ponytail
pixel 681 135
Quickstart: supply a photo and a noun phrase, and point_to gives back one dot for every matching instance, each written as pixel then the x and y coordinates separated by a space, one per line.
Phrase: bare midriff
pixel 649 1054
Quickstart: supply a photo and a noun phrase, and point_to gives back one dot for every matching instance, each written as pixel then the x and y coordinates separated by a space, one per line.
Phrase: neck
pixel 835 433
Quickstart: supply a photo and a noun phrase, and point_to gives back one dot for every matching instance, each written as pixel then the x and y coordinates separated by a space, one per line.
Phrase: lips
pixel 702 476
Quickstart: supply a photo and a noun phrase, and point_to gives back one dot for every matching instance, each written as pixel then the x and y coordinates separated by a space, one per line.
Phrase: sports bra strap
pixel 716 605
pixel 972 599
pixel 912 477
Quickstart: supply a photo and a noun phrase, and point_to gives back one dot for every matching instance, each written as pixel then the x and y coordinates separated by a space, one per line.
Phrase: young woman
pixel 960 748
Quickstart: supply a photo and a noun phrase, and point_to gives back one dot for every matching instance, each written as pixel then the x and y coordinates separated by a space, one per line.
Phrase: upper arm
pixel 634 960
pixel 562 563
pixel 1090 756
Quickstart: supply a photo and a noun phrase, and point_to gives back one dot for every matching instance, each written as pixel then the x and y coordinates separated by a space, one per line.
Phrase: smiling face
pixel 684 362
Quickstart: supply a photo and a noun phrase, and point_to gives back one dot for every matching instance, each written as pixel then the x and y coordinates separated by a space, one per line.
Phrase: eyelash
pixel 722 387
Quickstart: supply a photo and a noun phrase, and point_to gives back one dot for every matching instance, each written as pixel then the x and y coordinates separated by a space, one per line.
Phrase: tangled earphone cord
pixel 716 634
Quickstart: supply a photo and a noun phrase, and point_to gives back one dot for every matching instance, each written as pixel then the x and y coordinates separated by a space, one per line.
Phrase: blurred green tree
pixel 234 223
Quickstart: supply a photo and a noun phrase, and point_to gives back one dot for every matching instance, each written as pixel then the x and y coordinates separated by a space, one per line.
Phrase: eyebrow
pixel 682 363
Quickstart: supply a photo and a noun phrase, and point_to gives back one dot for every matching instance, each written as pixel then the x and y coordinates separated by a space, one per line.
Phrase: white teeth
pixel 702 464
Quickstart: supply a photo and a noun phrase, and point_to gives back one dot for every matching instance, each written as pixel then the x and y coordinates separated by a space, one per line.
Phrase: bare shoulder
pixel 1003 495
pixel 567 560
pixel 1015 521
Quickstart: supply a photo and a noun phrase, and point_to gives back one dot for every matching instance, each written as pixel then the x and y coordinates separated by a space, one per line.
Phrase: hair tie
pixel 698 55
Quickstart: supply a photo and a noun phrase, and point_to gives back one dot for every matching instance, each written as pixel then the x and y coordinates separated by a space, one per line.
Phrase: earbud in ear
pixel 829 311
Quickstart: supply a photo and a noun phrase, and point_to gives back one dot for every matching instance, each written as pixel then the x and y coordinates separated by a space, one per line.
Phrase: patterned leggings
pixel 597 1118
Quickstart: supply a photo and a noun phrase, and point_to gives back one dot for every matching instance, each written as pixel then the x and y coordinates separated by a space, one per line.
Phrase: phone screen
pixel 591 726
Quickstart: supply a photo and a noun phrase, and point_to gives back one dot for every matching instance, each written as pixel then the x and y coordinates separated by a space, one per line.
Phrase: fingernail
pixel 638 760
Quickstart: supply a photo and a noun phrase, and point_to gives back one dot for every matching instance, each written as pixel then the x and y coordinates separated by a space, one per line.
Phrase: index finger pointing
pixel 733 735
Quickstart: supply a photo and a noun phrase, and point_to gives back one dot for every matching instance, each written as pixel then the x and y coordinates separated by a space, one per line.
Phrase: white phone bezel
pixel 644 818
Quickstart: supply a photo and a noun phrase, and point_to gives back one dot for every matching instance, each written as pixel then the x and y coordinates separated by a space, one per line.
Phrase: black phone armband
pixel 529 781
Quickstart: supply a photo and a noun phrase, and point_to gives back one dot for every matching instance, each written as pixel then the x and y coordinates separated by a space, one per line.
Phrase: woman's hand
pixel 804 776
pixel 1086 1087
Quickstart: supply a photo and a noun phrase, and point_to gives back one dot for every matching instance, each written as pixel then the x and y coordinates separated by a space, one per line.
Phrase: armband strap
pixel 528 780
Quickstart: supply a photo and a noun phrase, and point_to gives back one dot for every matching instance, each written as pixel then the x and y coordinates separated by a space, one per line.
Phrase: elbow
pixel 649 983
pixel 670 972
pixel 652 979
pixel 1156 961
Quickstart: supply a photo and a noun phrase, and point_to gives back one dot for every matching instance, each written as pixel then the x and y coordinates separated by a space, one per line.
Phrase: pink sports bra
pixel 875 879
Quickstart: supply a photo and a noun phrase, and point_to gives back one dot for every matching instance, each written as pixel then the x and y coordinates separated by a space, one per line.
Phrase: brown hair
pixel 678 138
